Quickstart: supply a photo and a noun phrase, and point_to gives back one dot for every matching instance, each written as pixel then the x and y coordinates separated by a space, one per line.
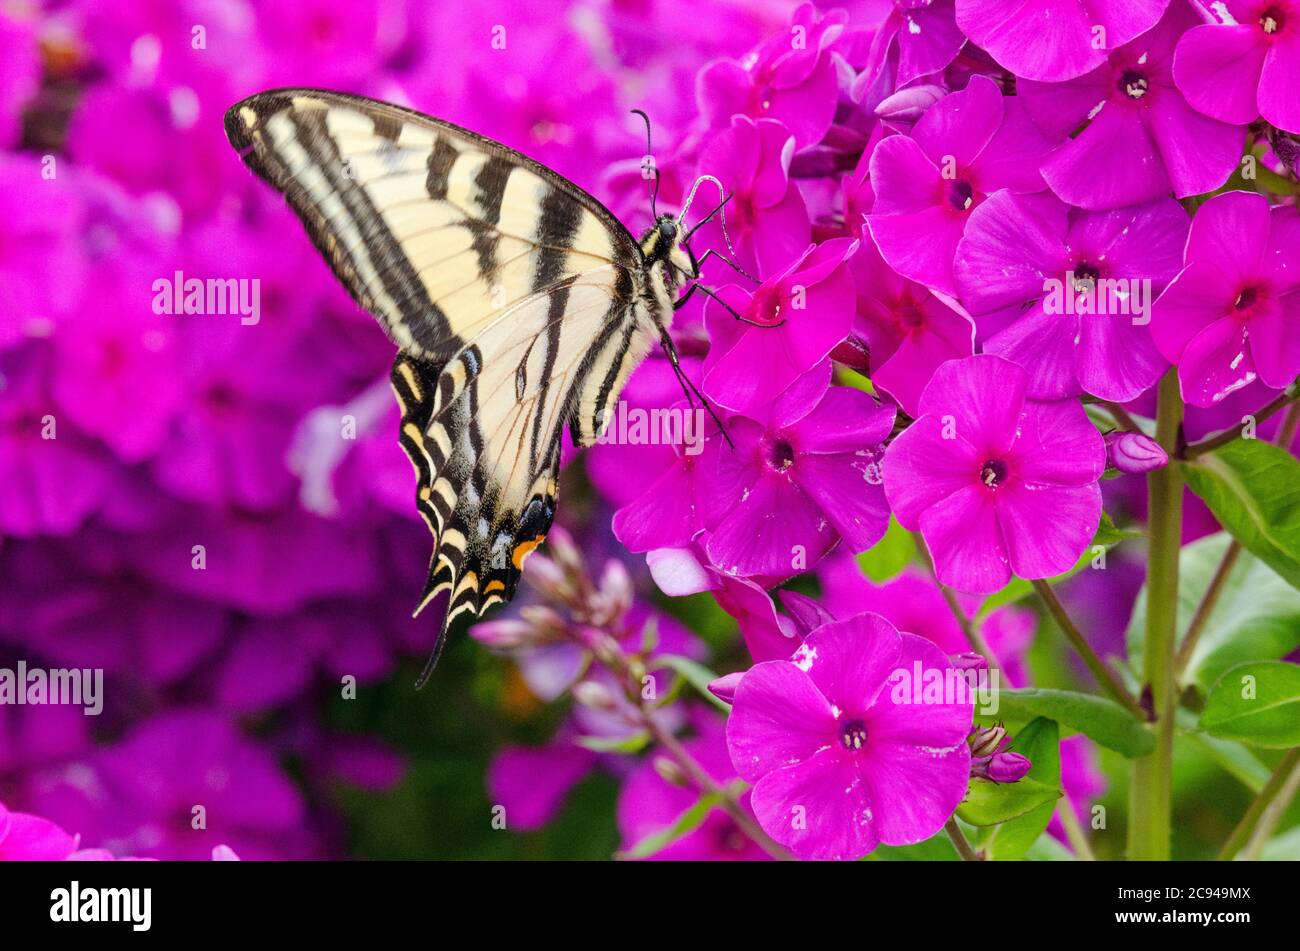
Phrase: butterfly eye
pixel 668 229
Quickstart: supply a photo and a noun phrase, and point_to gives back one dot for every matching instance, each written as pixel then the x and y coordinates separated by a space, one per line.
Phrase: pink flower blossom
pixel 906 329
pixel 996 483
pixel 1141 140
pixel 1233 314
pixel 791 78
pixel 1246 66
pixel 803 312
pixel 1067 294
pixel 967 145
pixel 1053 40
pixel 839 764
pixel 802 476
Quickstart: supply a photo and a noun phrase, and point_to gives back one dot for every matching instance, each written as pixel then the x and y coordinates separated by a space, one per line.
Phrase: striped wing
pixel 511 294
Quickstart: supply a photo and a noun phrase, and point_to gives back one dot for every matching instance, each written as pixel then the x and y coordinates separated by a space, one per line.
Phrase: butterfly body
pixel 519 305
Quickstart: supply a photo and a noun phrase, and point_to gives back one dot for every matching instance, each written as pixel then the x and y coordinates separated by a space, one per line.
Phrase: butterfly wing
pixel 511 294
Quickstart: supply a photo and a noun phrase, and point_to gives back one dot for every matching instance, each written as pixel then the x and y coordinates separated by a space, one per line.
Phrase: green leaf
pixel 887 557
pixel 987 803
pixel 1256 617
pixel 695 674
pixel 1040 741
pixel 1017 589
pixel 1234 758
pixel 1283 848
pixel 1101 719
pixel 937 848
pixel 1253 489
pixel 1257 703
pixel 690 820
pixel 626 745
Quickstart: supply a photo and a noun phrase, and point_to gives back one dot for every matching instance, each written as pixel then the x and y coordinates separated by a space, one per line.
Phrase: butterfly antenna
pixel 720 211
pixel 654 167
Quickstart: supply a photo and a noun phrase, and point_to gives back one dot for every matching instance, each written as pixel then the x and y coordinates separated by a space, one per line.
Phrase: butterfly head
pixel 665 244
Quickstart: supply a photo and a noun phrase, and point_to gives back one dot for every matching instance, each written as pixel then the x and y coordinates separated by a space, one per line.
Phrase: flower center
pixel 909 316
pixel 780 455
pixel 1085 277
pixel 960 194
pixel 993 473
pixel 1271 20
pixel 853 734
pixel 1246 299
pixel 1133 84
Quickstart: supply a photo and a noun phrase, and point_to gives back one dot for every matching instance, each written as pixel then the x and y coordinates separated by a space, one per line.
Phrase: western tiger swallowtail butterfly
pixel 519 305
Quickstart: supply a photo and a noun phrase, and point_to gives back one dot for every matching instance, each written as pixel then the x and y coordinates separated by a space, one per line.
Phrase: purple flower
pixel 531 782
pixel 1249 65
pixel 28 838
pixel 51 476
pixel 791 77
pixel 914 604
pixel 20 73
pixel 803 312
pixel 1052 40
pixel 907 329
pixel 802 476
pixel 42 262
pixel 139 795
pixel 968 144
pixel 1134 453
pixel 994 482
pixel 1233 314
pixel 766 217
pixel 1142 139
pixel 1067 294
pixel 648 804
pixel 840 760
pixel 920 36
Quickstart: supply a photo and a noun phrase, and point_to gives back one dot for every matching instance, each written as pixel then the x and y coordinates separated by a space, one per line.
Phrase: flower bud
pixel 969 661
pixel 806 613
pixel 908 105
pixel 670 772
pixel 1008 767
pixel 505 633
pixel 1134 453
pixel 724 688
pixel 985 741
pixel 595 695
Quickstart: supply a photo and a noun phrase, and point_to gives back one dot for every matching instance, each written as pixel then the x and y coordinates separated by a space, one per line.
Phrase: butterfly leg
pixel 712 252
pixel 688 387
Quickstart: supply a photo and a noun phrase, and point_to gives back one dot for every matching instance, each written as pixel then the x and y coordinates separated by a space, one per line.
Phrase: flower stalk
pixel 1150 815
pixel 1105 676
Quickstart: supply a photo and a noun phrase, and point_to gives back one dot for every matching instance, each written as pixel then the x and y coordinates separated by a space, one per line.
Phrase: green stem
pixel 1268 804
pixel 1214 442
pixel 1150 815
pixel 1105 677
pixel 960 842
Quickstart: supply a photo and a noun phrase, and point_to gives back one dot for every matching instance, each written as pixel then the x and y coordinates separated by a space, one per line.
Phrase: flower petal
pixel 1047 527
pixel 965 541
pixel 819 810
pixel 778 718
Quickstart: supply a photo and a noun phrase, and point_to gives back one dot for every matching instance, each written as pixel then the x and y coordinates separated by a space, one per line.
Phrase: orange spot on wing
pixel 524 549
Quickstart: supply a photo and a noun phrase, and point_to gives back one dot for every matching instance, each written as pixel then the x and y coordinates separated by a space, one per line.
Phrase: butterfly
pixel 519 305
